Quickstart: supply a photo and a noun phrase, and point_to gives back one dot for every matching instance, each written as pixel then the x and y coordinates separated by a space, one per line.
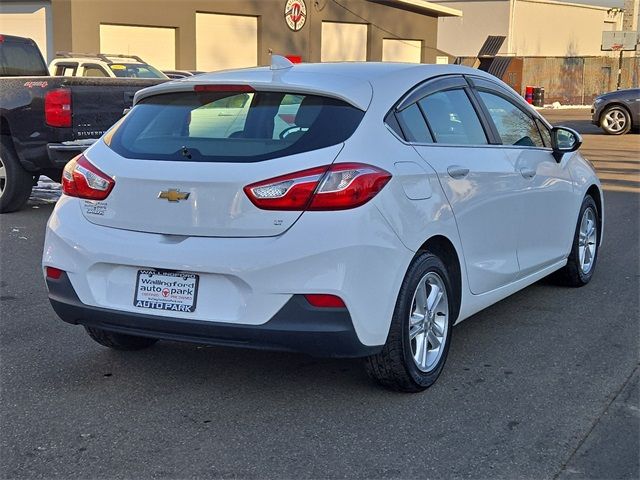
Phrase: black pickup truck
pixel 45 121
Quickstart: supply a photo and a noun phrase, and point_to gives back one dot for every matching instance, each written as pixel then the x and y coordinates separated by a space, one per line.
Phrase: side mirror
pixel 564 140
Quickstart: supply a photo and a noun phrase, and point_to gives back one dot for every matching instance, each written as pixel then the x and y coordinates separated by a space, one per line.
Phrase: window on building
pixel 343 42
pixel 395 50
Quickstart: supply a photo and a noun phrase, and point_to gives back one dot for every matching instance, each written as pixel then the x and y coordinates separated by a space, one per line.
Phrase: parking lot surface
pixel 615 157
pixel 541 385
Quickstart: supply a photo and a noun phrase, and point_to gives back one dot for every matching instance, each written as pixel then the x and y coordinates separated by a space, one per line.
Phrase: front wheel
pixel 615 120
pixel 420 332
pixel 581 262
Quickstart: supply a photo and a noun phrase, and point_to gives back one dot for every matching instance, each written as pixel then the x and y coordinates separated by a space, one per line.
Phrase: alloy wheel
pixel 429 321
pixel 587 240
pixel 3 177
pixel 615 120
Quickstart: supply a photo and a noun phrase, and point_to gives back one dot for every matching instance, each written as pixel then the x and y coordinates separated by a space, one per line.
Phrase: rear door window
pixel 232 126
pixel 94 71
pixel 66 69
pixel 452 118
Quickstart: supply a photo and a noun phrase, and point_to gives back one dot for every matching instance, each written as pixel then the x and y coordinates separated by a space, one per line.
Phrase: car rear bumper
pixel 296 327
pixel 61 153
pixel 243 282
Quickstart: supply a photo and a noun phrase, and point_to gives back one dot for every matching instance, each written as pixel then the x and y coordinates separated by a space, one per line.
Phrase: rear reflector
pixel 57 108
pixel 332 187
pixel 82 179
pixel 325 301
pixel 223 88
pixel 54 273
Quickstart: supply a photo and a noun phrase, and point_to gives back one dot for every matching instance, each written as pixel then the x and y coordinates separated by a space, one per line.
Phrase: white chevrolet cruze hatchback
pixel 356 209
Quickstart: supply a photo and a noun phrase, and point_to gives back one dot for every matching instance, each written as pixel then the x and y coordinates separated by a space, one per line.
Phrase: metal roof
pixel 491 46
pixel 499 66
pixel 423 7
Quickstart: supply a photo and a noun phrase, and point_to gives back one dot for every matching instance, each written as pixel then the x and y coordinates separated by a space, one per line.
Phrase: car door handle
pixel 528 172
pixel 456 171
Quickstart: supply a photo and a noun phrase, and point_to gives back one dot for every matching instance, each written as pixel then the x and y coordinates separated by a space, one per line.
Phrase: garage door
pixel 226 41
pixel 28 19
pixel 401 50
pixel 155 45
pixel 344 42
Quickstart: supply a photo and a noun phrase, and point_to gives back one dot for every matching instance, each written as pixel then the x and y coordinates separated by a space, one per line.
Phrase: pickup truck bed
pixel 96 104
pixel 45 121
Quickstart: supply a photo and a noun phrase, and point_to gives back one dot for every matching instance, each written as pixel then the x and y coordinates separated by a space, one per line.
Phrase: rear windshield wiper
pixel 185 152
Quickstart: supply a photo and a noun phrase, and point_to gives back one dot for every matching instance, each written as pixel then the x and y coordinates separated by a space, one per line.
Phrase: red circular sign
pixel 165 292
pixel 295 14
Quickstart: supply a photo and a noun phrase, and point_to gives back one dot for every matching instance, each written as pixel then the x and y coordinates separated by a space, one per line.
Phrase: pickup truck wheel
pixel 15 181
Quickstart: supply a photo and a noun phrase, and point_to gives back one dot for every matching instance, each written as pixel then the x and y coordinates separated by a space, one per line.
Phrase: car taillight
pixel 332 187
pixel 57 108
pixel 83 180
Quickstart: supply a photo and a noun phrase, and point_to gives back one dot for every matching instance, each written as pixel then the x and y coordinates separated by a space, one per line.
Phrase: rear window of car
pixel 232 126
pixel 20 58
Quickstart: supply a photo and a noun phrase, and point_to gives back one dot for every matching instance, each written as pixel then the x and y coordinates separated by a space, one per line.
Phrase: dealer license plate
pixel 162 290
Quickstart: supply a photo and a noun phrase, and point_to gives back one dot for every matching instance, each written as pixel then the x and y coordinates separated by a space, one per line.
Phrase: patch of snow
pixel 46 191
pixel 559 106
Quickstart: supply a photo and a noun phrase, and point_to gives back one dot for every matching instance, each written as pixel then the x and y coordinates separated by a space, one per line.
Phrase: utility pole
pixel 631 12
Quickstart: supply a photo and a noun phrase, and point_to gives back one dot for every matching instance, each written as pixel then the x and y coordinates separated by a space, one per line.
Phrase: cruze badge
pixel 173 195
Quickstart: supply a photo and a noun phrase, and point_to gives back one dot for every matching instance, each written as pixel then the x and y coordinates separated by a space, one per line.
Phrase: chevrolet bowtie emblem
pixel 173 195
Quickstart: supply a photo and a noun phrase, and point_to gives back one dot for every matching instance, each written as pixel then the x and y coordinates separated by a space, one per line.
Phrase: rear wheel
pixel 420 332
pixel 15 182
pixel 615 120
pixel 581 262
pixel 119 341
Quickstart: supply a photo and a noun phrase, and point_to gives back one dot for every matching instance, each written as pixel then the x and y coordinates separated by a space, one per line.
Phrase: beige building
pixel 217 34
pixel 532 28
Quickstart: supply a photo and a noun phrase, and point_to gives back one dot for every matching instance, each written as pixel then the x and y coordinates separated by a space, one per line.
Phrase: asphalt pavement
pixel 541 385
pixel 617 158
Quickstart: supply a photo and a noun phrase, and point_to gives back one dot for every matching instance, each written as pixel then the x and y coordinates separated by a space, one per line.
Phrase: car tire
pixel 581 262
pixel 119 341
pixel 615 120
pixel 400 366
pixel 15 182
